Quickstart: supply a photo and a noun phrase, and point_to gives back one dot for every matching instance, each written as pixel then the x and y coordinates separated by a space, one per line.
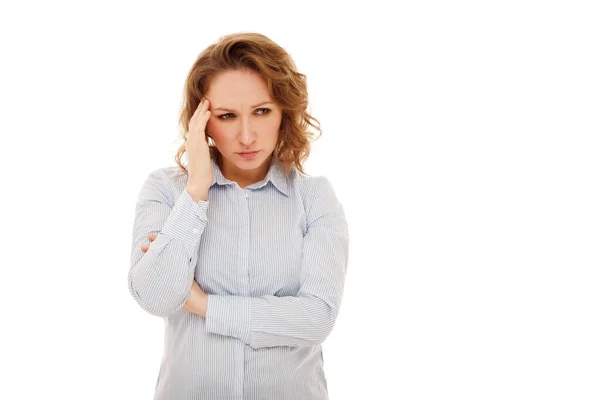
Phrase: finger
pixel 206 117
pixel 197 111
pixel 202 106
pixel 202 113
pixel 202 121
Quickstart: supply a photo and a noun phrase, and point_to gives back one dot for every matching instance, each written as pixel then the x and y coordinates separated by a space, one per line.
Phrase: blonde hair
pixel 286 85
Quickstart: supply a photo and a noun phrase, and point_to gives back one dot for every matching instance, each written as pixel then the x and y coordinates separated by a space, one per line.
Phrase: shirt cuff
pixel 229 316
pixel 187 219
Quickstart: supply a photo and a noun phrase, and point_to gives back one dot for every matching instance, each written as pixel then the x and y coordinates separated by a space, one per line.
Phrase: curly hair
pixel 287 86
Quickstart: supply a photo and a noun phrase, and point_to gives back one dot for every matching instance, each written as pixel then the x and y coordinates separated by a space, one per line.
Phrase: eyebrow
pixel 228 109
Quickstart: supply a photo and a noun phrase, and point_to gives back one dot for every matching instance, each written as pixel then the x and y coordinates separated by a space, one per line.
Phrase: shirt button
pixel 246 194
pixel 196 230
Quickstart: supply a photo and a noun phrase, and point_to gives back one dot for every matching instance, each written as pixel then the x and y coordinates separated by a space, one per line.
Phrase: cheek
pixel 271 126
pixel 215 130
pixel 210 127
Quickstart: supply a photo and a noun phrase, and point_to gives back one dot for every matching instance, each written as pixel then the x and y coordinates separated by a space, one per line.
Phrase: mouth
pixel 248 154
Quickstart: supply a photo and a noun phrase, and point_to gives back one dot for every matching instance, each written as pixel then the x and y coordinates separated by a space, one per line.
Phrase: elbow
pixel 157 300
pixel 322 324
pixel 319 332
pixel 159 307
pixel 325 327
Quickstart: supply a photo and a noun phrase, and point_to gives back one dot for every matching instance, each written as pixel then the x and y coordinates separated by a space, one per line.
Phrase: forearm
pixel 160 280
pixel 269 321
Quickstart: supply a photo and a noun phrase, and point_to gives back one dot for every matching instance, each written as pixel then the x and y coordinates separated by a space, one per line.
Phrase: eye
pixel 227 116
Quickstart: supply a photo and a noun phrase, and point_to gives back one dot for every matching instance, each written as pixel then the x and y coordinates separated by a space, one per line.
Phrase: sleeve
pixel 307 318
pixel 160 279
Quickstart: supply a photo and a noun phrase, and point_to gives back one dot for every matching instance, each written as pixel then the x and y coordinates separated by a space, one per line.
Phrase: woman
pixel 242 253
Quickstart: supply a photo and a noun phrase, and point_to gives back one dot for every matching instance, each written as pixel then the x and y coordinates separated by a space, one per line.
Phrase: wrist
pixel 200 305
pixel 197 303
pixel 203 305
pixel 197 194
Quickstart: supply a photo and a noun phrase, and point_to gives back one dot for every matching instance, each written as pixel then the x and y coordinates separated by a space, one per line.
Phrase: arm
pixel 160 279
pixel 307 318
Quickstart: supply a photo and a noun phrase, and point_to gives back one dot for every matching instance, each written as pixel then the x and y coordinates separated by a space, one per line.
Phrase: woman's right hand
pixel 196 146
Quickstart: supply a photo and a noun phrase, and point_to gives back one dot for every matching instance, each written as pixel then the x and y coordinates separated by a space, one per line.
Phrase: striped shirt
pixel 272 258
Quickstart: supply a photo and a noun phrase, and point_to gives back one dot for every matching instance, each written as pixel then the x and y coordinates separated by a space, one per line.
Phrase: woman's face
pixel 244 117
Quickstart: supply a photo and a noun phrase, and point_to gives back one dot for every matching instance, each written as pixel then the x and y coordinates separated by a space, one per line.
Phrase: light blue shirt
pixel 272 258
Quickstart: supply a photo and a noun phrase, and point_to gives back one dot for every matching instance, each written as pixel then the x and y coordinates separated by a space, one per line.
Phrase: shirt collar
pixel 275 175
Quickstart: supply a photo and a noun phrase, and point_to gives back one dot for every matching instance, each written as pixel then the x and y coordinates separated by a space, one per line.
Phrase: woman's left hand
pixel 197 300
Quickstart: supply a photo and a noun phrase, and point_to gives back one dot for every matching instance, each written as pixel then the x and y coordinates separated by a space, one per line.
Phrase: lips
pixel 249 155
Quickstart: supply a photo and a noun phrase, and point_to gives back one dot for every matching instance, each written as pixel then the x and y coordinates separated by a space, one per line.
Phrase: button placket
pixel 245 248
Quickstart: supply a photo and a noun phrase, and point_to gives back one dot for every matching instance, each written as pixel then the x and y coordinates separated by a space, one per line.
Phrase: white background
pixel 461 137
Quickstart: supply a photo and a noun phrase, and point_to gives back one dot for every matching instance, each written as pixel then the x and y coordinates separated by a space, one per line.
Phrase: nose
pixel 247 135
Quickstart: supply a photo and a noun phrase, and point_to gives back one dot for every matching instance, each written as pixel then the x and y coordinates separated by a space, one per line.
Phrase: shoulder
pixel 310 186
pixel 168 176
pixel 174 175
pixel 318 194
pixel 164 183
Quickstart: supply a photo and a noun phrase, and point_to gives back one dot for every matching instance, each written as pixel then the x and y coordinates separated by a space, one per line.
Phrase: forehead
pixel 242 85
